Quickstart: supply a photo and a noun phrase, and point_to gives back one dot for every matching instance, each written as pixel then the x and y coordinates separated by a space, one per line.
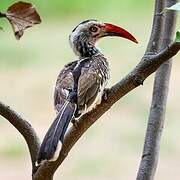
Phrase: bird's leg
pixel 105 94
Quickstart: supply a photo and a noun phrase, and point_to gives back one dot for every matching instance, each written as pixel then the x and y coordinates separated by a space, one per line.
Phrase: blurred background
pixel 112 147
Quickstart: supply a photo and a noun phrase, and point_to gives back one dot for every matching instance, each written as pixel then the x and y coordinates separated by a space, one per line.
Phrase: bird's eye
pixel 93 29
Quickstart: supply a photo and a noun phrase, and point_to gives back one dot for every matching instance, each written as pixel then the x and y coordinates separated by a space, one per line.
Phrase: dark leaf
pixel 22 15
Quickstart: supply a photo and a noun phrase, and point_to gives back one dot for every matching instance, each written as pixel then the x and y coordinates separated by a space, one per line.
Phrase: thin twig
pixel 157 28
pixel 24 128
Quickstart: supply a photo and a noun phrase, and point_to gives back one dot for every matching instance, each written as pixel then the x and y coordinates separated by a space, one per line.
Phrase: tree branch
pixel 148 65
pixel 24 128
pixel 150 62
pixel 157 28
pixel 150 155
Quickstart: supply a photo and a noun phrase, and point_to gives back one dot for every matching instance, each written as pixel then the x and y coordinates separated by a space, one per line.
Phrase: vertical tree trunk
pixel 158 106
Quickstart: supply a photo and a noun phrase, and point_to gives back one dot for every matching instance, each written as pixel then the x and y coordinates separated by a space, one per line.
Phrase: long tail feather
pixel 50 146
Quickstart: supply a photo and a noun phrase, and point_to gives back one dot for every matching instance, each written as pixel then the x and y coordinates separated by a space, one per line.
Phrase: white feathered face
pixel 90 31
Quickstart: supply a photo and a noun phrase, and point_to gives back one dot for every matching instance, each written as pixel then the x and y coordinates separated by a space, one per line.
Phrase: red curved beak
pixel 113 30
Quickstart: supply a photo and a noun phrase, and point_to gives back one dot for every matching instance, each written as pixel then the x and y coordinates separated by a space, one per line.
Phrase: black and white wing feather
pixel 92 81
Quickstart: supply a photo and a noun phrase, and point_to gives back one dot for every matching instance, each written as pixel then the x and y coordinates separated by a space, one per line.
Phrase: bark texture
pixel 150 155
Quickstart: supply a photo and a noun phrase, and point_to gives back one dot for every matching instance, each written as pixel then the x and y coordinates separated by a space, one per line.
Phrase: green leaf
pixel 175 7
pixel 178 36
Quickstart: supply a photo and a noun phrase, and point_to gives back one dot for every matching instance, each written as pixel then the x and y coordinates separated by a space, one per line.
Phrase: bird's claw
pixel 75 123
pixel 105 94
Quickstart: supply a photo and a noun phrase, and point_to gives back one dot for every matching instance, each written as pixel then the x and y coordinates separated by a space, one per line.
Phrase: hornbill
pixel 81 83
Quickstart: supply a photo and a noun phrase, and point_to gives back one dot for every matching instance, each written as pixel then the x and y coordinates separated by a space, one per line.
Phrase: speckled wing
pixel 90 83
pixel 64 84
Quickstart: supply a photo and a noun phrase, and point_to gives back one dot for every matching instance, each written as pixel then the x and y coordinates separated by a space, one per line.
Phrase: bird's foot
pixel 75 123
pixel 105 94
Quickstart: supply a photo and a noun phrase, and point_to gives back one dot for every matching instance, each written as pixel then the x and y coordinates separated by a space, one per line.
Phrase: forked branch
pixel 148 65
pixel 150 62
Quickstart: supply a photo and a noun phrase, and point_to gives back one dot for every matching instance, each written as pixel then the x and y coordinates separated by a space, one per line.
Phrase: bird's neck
pixel 84 48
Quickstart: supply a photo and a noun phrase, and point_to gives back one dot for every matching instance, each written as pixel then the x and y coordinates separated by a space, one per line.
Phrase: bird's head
pixel 88 32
